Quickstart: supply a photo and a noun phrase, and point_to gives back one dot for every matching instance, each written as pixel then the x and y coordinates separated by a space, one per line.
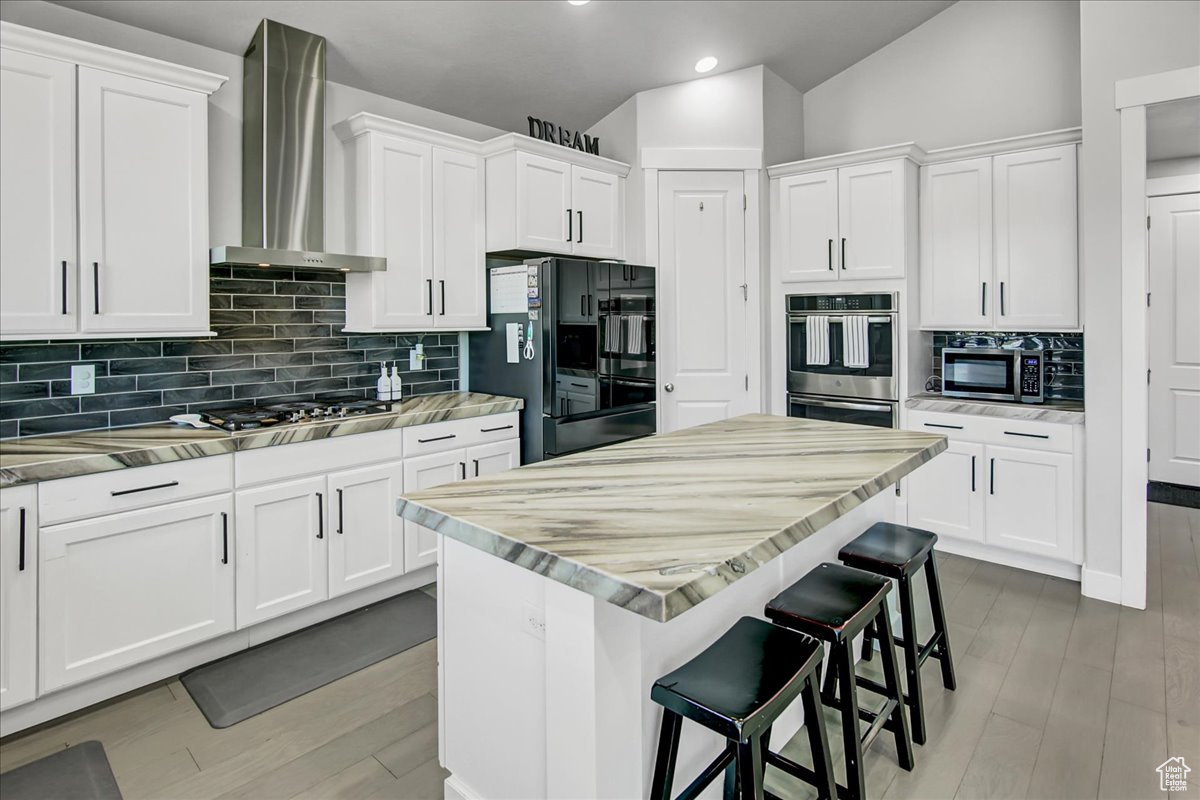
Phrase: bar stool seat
pixel 899 552
pixel 737 687
pixel 829 602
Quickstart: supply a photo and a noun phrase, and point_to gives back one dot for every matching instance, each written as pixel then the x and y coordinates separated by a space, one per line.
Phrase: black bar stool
pixel 834 603
pixel 898 551
pixel 738 687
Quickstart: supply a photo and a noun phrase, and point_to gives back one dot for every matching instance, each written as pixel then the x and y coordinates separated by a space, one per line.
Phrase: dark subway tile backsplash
pixel 278 338
pixel 1066 358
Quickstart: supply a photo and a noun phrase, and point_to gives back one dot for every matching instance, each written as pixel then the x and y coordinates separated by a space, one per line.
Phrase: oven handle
pixel 840 317
pixel 841 404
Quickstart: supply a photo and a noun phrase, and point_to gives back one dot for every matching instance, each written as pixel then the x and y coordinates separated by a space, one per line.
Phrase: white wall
pixel 618 134
pixel 1173 167
pixel 980 70
pixel 1119 39
pixel 720 111
pixel 225 111
pixel 783 120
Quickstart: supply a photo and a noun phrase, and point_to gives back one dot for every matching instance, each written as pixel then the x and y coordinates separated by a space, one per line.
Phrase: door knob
pixel 669 387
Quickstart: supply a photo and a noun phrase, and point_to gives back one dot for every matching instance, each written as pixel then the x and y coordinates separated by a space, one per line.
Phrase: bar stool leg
pixel 731 777
pixel 939 623
pixel 842 655
pixel 868 650
pixel 668 750
pixel 912 661
pixel 818 741
pixel 829 687
pixel 898 719
pixel 750 769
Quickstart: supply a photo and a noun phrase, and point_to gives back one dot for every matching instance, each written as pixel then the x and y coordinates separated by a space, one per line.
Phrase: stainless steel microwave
pixel 994 374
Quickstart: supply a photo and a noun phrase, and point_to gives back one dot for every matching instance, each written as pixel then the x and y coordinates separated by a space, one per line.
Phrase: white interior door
pixel 1174 435
pixel 703 345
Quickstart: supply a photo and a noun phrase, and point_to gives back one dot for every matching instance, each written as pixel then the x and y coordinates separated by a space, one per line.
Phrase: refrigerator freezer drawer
pixel 563 436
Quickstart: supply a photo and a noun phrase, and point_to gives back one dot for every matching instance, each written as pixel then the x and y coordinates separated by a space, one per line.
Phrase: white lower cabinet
pixel 488 459
pixel 126 588
pixel 18 595
pixel 1029 501
pixel 946 496
pixel 281 550
pixel 366 545
pixel 425 472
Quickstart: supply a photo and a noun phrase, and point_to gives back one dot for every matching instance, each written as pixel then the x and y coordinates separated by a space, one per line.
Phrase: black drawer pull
pixel 972 473
pixel 21 552
pixel 475 461
pixel 939 425
pixel 493 430
pixel 439 438
pixel 463 465
pixel 224 538
pixel 992 477
pixel 320 516
pixel 1027 435
pixel 166 485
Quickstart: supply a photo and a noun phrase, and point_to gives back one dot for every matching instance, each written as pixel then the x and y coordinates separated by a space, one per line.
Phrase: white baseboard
pixel 1009 558
pixel 1101 585
pixel 457 790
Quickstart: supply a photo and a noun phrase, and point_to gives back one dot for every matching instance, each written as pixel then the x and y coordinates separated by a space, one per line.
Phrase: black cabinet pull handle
pixel 983 300
pixel 570 230
pixel 224 537
pixel 625 272
pixel 843 252
pixel 166 485
pixel 580 385
pixel 589 304
pixel 96 284
pixel 463 466
pixel 341 521
pixel 583 305
pixel 939 425
pixel 475 461
pixel 493 430
pixel 1002 298
pixel 442 287
pixel 830 253
pixel 320 516
pixel 429 290
pixel 1028 435
pixel 21 552
pixel 64 287
pixel 580 213
pixel 438 438
pixel 992 477
pixel 972 473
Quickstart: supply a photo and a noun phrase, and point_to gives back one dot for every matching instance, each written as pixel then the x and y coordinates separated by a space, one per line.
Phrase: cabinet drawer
pixel 440 436
pixel 128 489
pixel 955 426
pixel 1030 434
pixel 282 462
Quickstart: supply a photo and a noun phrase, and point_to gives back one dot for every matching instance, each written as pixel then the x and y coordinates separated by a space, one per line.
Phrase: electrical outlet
pixel 533 621
pixel 83 379
pixel 416 357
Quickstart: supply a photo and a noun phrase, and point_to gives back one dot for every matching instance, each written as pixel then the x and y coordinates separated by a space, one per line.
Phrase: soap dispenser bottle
pixel 383 386
pixel 397 388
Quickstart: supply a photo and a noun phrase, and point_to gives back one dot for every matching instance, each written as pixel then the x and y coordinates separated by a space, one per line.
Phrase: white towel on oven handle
pixel 816 335
pixel 635 342
pixel 856 348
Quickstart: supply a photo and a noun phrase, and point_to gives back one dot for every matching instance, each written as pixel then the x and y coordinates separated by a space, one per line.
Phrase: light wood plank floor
pixel 1059 697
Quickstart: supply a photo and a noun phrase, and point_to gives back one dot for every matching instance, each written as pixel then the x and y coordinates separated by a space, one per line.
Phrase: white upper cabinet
pixel 546 199
pixel 104 218
pixel 956 244
pixel 1037 264
pixel 848 222
pixel 416 198
pixel 37 195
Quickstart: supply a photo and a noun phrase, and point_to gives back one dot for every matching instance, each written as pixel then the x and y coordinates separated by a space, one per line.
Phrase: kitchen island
pixel 566 587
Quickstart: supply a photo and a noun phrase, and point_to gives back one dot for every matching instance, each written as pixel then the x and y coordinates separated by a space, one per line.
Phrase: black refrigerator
pixel 576 340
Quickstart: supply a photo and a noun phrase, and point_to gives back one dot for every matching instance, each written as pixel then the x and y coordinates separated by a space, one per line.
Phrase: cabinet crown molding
pixel 511 142
pixel 87 54
pixel 909 150
pixel 1013 144
pixel 365 122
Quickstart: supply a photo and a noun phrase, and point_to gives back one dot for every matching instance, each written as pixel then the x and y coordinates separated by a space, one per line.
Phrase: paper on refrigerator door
pixel 512 348
pixel 508 290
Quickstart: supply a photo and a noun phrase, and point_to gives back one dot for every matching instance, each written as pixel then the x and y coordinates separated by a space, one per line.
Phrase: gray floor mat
pixel 81 772
pixel 248 683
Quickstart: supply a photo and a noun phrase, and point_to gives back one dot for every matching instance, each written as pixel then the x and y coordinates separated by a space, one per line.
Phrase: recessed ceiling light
pixel 706 64
pixel 579 2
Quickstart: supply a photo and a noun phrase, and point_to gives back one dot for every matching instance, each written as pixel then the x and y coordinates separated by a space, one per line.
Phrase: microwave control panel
pixel 1031 376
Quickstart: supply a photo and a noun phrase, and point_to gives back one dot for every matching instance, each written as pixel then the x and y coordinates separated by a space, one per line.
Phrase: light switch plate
pixel 416 358
pixel 83 379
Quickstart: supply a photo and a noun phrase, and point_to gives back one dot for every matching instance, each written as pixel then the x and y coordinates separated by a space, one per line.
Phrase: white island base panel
pixel 544 691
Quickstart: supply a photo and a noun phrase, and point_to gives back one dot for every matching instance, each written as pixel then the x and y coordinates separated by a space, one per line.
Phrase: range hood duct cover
pixel 283 156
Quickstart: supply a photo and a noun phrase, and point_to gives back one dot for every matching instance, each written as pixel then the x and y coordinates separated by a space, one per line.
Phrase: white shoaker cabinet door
pixel 543 202
pixel 281 549
pixel 18 595
pixel 1036 234
pixel 957 290
pixel 871 221
pixel 403 229
pixel 143 207
pixel 366 539
pixel 37 195
pixel 808 241
pixel 1030 501
pixel 1175 339
pixel 126 588
pixel 599 220
pixel 458 240
pixel 425 472
pixel 946 494
pixel 488 459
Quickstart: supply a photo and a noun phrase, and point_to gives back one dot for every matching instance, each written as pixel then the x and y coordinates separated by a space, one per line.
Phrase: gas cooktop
pixel 245 418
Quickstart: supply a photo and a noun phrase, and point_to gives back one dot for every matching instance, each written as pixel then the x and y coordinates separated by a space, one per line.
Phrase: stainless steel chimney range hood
pixel 283 157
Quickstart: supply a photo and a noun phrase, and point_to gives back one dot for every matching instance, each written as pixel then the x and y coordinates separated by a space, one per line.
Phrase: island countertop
pixel 659 524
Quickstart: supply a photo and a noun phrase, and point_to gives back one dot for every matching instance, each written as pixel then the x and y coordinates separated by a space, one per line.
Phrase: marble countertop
pixel 659 524
pixel 63 455
pixel 1067 411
